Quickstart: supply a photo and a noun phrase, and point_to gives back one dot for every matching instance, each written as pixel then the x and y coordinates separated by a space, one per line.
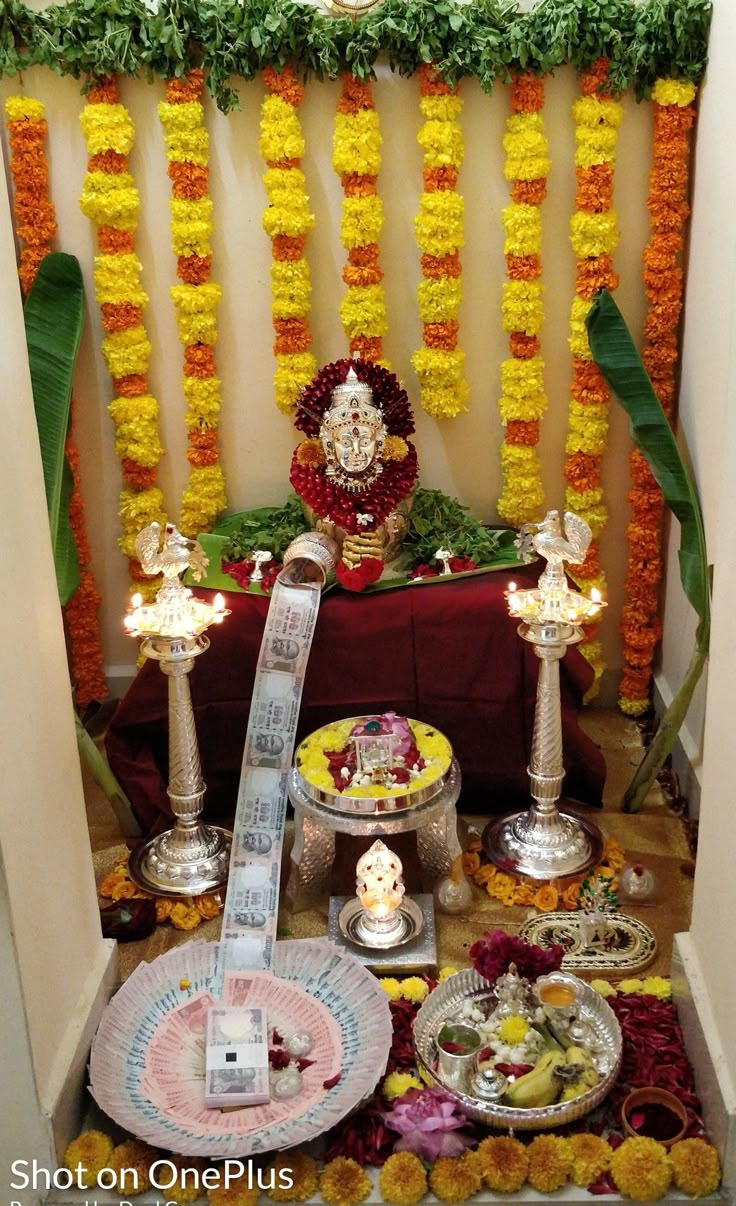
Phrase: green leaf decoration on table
pixel 54 316
pixel 616 356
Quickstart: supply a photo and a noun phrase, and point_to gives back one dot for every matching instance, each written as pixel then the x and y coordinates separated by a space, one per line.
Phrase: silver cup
pixel 456 1067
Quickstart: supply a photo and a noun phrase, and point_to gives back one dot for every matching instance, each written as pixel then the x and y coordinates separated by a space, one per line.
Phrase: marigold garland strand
pixel 439 365
pixel 523 399
pixel 663 281
pixel 356 157
pixel 196 298
pixel 110 200
pixel 35 224
pixel 287 220
pixel 594 236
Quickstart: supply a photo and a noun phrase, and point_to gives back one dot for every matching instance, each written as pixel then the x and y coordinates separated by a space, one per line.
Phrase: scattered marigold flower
pixel 504 1163
pixel 550 1163
pixel 696 1168
pixel 641 1170
pixel 591 1158
pixel 184 917
pixel 403 1179
pixel 456 1178
pixel 546 898
pixel 92 1150
pixel 343 1182
pixel 137 1156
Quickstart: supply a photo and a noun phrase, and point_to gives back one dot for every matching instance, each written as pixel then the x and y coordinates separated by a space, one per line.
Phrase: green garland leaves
pixel 487 40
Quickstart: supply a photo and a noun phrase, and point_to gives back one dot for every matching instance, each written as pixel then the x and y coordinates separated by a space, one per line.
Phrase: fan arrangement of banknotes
pixel 147 1067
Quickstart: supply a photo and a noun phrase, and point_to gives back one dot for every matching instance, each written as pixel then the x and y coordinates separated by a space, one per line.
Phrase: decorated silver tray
pixel 444 1007
pixel 394 800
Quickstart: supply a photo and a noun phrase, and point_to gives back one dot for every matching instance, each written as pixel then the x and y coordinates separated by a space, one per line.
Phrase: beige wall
pixel 44 843
pixel 460 457
pixel 708 414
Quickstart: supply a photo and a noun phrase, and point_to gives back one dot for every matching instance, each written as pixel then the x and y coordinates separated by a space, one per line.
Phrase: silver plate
pixel 370 805
pixel 446 1002
pixel 419 955
pixel 411 915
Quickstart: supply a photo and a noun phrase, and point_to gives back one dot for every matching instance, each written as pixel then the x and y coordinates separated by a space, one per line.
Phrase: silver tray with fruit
pixel 519 1055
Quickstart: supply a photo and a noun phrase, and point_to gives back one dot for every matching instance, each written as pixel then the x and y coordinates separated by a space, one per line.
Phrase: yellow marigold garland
pixel 287 221
pixel 523 399
pixel 674 112
pixel 439 365
pixel 111 201
pixel 35 224
pixel 196 299
pixel 356 158
pixel 594 236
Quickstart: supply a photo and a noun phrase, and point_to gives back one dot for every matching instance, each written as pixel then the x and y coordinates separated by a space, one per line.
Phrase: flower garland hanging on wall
pixel 287 220
pixel 35 225
pixel 523 399
pixel 196 299
pixel 439 365
pixel 110 200
pixel 356 158
pixel 594 235
pixel 663 282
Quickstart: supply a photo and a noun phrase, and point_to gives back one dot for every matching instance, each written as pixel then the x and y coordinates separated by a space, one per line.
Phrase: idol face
pixel 355 447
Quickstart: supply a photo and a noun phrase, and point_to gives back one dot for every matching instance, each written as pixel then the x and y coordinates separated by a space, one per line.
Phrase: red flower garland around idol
pixel 358 512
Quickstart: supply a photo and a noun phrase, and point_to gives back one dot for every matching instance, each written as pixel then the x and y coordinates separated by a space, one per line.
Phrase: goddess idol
pixel 356 471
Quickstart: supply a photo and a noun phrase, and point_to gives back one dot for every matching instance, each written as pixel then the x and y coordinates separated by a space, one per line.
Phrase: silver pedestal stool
pixel 313 853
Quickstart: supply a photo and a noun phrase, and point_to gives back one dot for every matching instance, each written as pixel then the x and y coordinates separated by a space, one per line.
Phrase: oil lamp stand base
pixel 183 862
pixel 544 844
pixel 416 952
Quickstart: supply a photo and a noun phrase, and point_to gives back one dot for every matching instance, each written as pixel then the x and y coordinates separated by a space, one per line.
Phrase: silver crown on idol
pixel 353 434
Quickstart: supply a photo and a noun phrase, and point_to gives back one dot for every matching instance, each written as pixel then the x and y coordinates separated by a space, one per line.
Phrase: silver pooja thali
pixel 444 1008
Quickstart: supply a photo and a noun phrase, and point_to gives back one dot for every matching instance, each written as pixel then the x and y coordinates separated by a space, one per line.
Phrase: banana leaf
pixel 616 356
pixel 54 317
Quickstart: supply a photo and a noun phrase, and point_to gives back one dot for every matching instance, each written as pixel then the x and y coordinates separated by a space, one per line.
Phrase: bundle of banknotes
pixel 236 1057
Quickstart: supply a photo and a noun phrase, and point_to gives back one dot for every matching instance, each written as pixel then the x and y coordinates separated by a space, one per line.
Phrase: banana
pixel 589 1075
pixel 540 1086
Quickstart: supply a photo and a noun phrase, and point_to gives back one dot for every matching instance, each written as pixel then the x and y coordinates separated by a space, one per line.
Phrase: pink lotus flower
pixel 428 1124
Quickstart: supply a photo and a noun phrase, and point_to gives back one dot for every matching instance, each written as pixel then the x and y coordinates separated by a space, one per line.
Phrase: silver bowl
pixel 446 1003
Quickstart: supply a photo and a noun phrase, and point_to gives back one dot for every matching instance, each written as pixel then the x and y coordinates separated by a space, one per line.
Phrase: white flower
pixel 363 520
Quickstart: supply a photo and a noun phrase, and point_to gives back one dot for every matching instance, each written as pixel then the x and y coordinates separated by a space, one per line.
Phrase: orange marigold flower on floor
pixel 550 1163
pixel 302 1170
pixel 546 898
pixel 92 1150
pixel 237 1193
pixel 110 882
pixel 403 1179
pixel 504 1163
pixel 527 93
pixel 124 889
pixel 186 1187
pixel 523 894
pixel 184 917
pixel 164 906
pixel 138 1156
pixel 484 875
pixel 695 1167
pixel 499 884
pixel 455 1179
pixel 569 898
pixel 641 1170
pixel 471 863
pixel 343 1182
pixel 591 1158
pixel 208 905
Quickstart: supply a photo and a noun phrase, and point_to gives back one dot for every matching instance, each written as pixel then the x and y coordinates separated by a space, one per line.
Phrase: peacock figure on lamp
pixel 356 470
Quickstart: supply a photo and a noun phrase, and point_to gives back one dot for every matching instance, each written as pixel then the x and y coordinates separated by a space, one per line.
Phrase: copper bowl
pixel 651 1095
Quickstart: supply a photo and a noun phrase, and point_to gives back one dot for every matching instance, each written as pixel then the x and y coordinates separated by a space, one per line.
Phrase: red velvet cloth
pixel 447 654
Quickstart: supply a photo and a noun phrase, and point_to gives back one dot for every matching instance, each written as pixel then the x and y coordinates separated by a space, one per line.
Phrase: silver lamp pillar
pixel 544 842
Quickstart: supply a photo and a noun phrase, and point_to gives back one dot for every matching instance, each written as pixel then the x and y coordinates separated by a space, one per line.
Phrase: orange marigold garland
pixel 356 157
pixel 35 223
pixel 196 298
pixel 287 220
pixel 523 399
pixel 110 200
pixel 674 112
pixel 594 235
pixel 439 365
